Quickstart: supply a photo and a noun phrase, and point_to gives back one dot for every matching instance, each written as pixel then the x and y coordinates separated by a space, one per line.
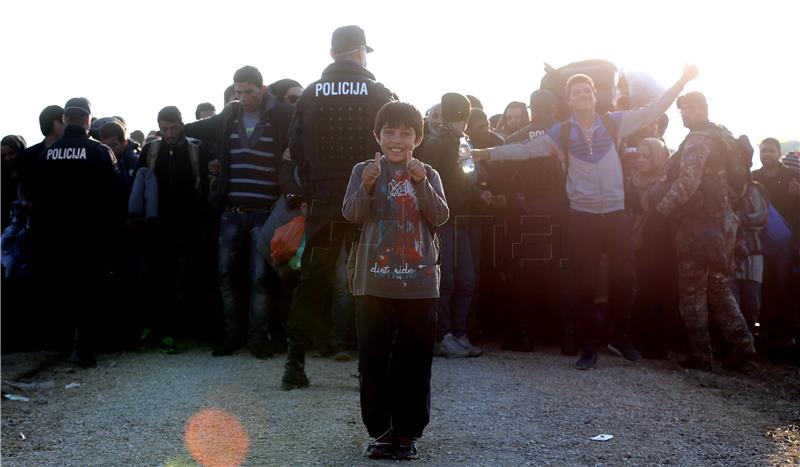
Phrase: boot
pixel 82 352
pixel 568 340
pixel 294 374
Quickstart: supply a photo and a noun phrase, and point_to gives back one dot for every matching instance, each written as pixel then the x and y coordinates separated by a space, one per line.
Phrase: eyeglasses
pixel 292 98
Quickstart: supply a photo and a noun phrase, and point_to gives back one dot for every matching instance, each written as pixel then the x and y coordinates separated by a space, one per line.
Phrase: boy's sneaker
pixel 405 448
pixel 472 351
pixel 450 348
pixel 587 360
pixel 624 349
pixel 380 448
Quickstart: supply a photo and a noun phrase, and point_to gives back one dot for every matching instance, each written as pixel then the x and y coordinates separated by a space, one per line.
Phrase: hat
pixel 80 104
pixel 455 107
pixel 348 38
pixel 692 98
pixel 541 99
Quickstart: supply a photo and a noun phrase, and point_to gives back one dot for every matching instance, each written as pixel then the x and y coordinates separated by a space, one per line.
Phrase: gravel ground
pixel 500 409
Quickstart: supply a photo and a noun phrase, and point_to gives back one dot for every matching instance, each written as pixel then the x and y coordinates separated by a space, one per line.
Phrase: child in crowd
pixel 399 201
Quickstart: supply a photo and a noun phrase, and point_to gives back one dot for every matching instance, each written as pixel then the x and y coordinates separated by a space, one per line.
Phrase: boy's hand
pixel 415 168
pixel 371 172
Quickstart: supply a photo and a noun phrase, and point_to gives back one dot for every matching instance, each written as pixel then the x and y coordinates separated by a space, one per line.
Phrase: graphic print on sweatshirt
pixel 400 249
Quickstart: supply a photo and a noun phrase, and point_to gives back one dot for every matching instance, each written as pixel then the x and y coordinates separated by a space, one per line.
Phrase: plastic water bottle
pixel 465 155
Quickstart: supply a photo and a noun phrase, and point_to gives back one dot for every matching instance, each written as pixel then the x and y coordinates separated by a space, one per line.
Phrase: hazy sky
pixel 131 58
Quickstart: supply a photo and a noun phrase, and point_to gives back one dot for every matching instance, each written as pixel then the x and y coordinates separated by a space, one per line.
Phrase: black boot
pixel 82 350
pixel 294 374
pixel 568 340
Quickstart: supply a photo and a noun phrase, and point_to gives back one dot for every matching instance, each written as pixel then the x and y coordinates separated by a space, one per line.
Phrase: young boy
pixel 400 203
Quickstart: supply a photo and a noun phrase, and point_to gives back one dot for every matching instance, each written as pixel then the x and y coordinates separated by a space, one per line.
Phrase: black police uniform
pixel 331 132
pixel 78 204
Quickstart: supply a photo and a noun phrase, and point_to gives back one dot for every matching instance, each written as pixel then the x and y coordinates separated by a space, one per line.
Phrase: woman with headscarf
pixel 656 307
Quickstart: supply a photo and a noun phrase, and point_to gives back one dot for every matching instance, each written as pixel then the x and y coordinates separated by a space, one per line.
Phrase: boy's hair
pixel 579 78
pixel 170 114
pixel 50 114
pixel 248 74
pixel 396 114
pixel 113 130
pixel 771 141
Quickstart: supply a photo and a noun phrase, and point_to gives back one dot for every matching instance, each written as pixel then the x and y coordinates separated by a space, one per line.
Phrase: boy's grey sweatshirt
pixel 398 251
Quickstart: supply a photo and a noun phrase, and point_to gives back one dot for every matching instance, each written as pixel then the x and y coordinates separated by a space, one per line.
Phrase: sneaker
pixel 167 346
pixel 587 360
pixel 226 348
pixel 294 378
pixel 262 350
pixel 405 448
pixel 380 448
pixel 624 349
pixel 450 348
pixel 472 351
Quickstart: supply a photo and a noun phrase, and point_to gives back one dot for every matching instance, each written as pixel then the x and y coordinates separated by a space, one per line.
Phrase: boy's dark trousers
pixel 396 339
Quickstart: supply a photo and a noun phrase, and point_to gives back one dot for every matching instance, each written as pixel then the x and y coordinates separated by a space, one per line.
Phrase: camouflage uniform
pixel 697 197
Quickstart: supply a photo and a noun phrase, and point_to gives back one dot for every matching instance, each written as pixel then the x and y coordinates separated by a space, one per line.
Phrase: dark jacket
pixel 216 131
pixel 441 153
pixel 180 201
pixel 333 123
pixel 78 198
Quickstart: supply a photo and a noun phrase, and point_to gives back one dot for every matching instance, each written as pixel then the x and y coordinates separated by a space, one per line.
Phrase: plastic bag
pixel 287 240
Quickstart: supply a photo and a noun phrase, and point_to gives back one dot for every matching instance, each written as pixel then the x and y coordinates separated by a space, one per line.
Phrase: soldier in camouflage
pixel 698 196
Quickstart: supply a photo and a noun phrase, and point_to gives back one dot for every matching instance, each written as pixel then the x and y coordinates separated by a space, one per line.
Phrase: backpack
pixel 194 158
pixel 735 151
pixel 602 72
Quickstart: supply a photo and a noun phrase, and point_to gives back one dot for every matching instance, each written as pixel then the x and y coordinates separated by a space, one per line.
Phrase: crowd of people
pixel 419 235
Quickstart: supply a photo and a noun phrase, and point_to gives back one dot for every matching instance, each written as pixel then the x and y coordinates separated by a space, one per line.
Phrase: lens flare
pixel 216 438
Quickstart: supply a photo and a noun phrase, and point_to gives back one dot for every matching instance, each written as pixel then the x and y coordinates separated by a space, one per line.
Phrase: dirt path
pixel 501 409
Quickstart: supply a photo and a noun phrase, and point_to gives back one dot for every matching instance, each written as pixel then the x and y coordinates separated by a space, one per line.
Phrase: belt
pixel 244 209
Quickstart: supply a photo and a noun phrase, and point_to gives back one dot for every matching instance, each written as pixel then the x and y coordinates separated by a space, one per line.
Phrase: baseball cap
pixel 541 99
pixel 348 38
pixel 80 104
pixel 692 98
pixel 455 107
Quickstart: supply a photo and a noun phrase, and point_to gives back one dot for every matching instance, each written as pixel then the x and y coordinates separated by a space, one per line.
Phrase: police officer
pixel 78 204
pixel 331 132
pixel 698 198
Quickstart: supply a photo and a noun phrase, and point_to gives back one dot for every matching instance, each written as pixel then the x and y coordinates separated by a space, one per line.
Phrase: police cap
pixel 348 38
pixel 542 99
pixel 78 104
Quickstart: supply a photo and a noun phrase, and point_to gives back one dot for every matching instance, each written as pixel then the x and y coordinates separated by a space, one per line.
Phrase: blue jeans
pixel 236 243
pixel 458 280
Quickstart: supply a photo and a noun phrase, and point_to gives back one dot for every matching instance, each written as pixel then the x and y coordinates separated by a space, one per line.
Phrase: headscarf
pixel 658 153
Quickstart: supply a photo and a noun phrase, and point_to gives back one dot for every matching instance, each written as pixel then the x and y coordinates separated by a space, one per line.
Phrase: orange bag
pixel 286 240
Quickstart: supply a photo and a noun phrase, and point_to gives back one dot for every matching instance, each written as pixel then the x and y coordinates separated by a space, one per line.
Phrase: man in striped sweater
pixel 251 135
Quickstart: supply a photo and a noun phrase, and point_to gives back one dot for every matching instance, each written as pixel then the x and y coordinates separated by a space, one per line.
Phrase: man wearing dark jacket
pixel 173 242
pixel 251 135
pixel 331 132
pixel 537 205
pixel 77 198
